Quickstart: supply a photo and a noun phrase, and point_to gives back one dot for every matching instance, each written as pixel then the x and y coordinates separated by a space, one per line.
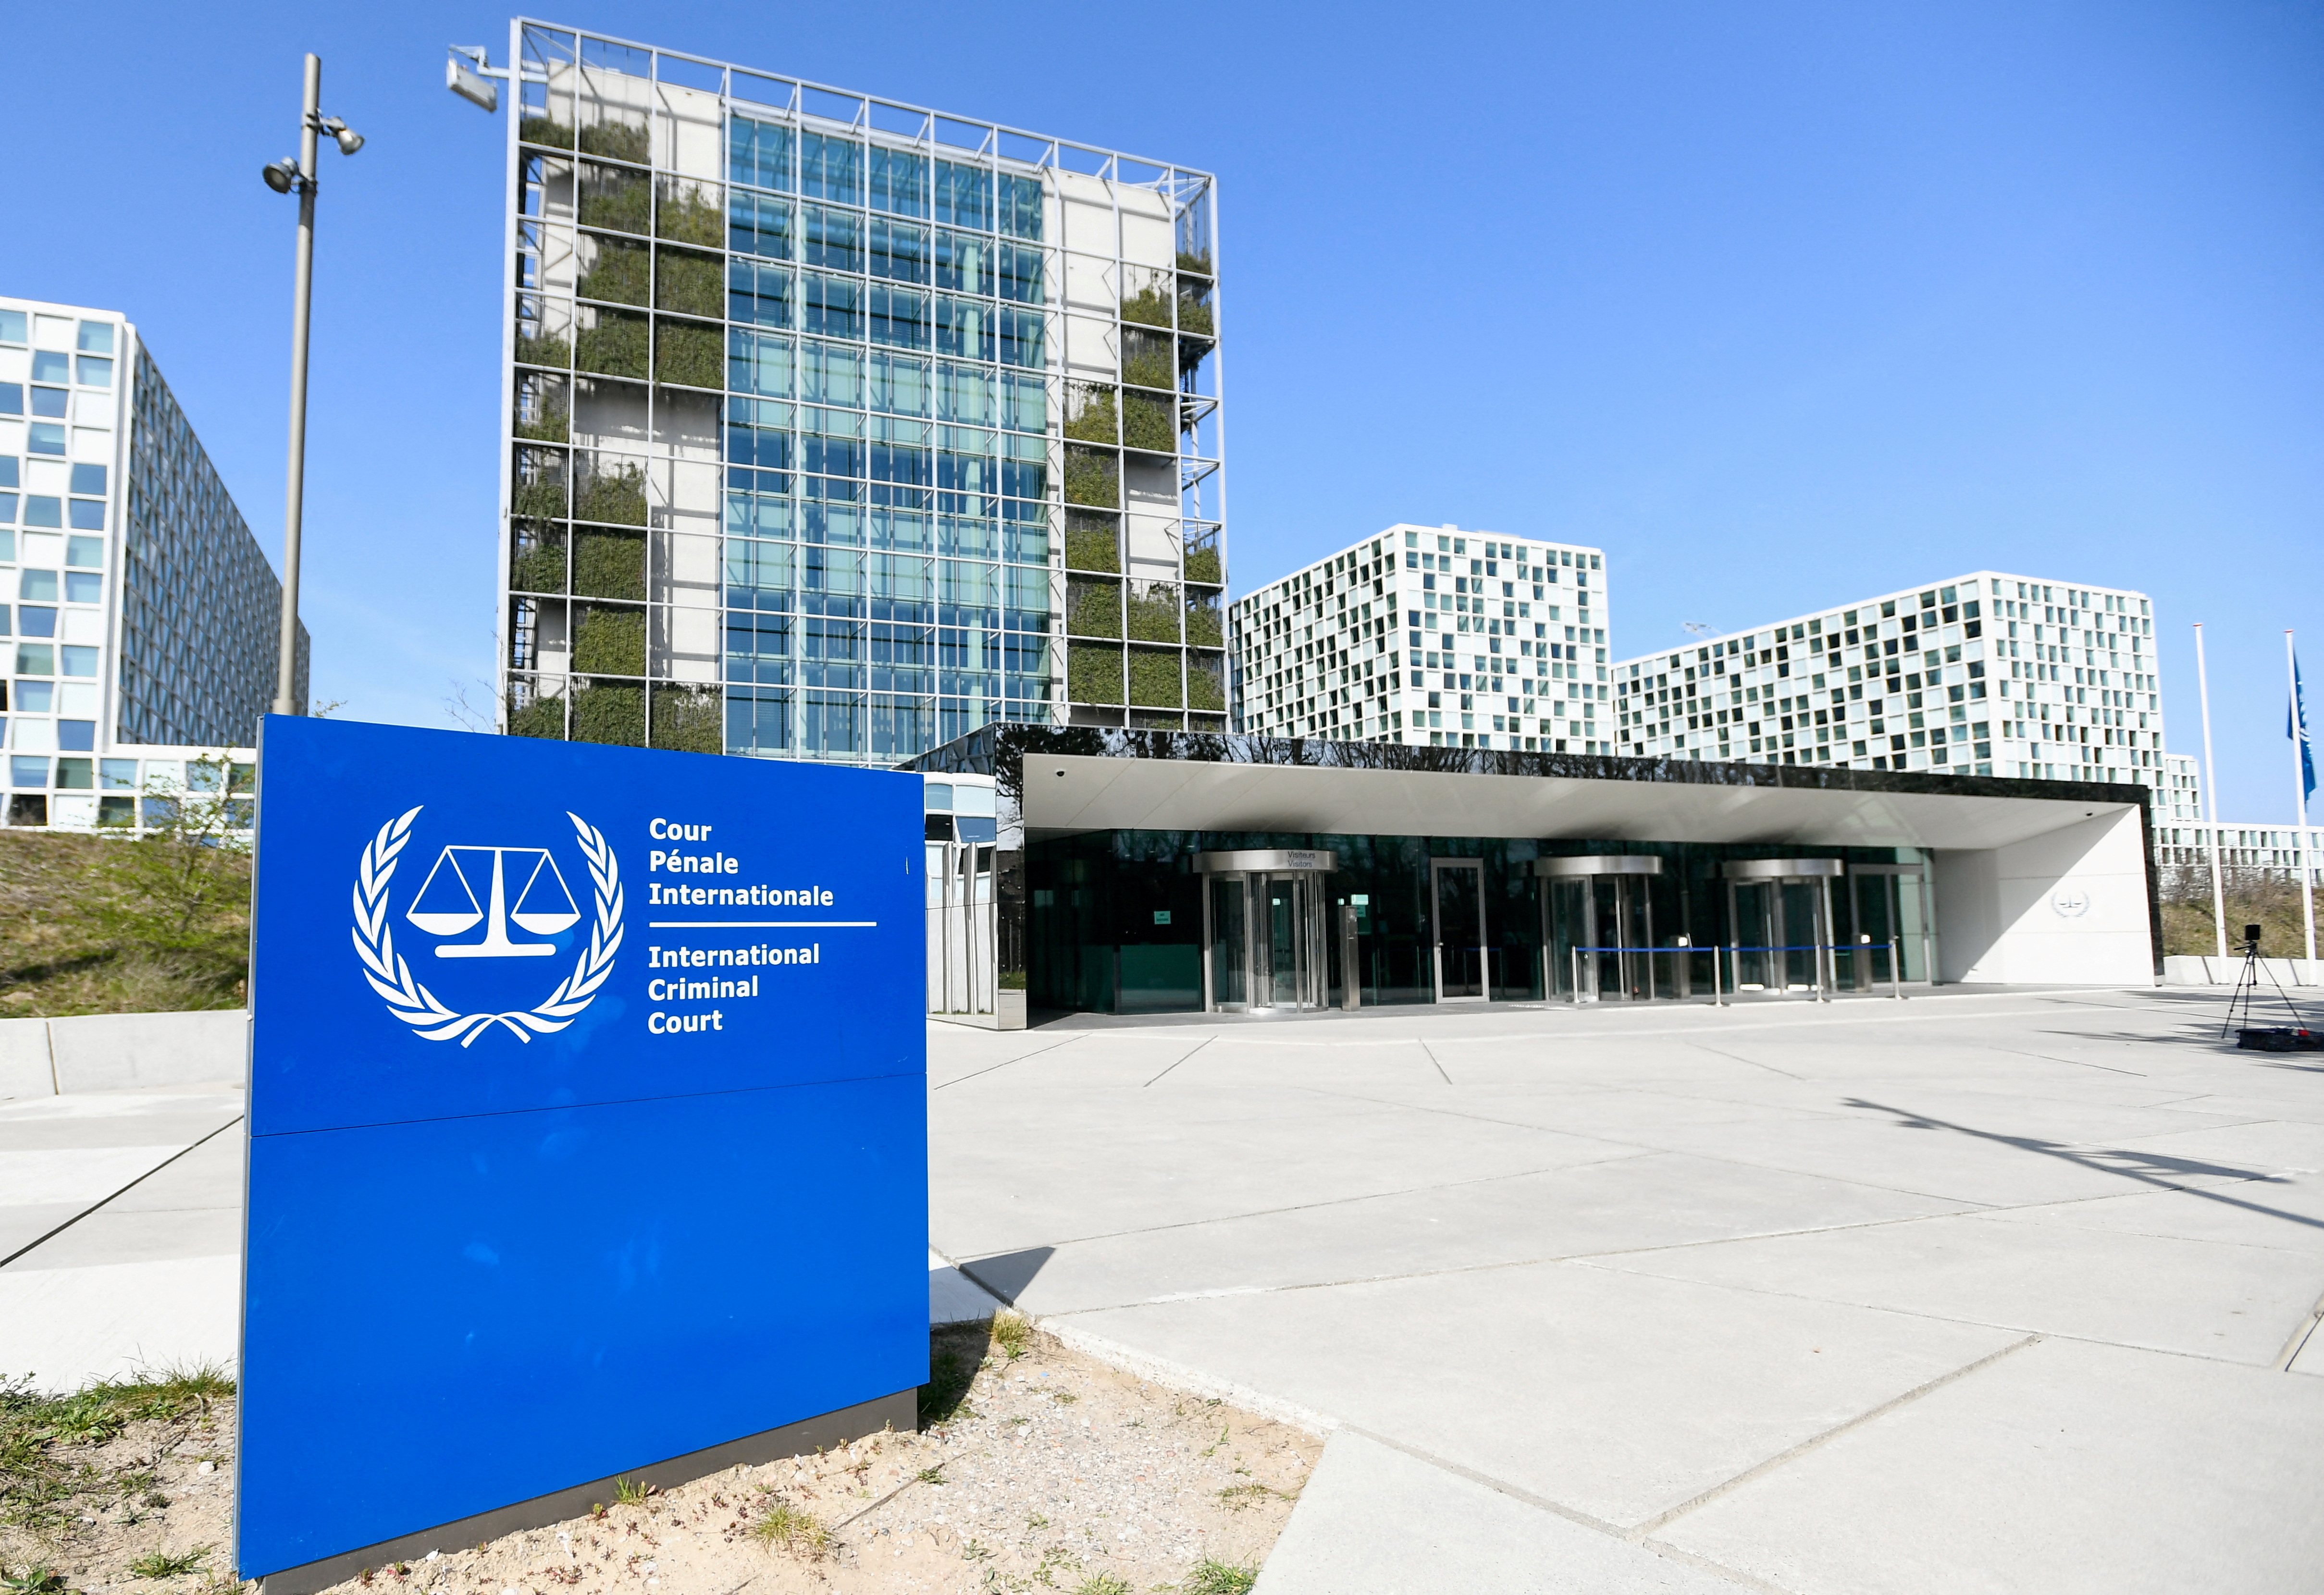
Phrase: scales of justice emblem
pixel 495 887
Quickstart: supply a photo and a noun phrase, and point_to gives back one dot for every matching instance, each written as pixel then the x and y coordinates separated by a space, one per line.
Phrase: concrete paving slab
pixel 953 1298
pixel 44 1176
pixel 66 1326
pixel 1618 1395
pixel 2066 1468
pixel 1376 1521
pixel 2237 1303
pixel 1620 1204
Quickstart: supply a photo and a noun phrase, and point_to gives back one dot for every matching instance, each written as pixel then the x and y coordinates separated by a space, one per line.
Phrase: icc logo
pixel 496 888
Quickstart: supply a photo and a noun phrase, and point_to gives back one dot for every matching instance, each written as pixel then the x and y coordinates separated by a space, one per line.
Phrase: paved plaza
pixel 1979 1291
pixel 2004 1291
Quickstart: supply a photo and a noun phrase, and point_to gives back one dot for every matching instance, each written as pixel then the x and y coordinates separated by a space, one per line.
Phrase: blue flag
pixel 2295 726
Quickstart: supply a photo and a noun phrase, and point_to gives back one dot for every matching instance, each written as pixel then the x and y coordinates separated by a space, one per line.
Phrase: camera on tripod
pixel 2296 1036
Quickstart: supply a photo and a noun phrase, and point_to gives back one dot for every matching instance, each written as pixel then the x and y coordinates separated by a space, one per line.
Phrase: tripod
pixel 2252 1033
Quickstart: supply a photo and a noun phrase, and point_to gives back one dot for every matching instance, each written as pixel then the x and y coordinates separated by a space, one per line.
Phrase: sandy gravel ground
pixel 1050 1470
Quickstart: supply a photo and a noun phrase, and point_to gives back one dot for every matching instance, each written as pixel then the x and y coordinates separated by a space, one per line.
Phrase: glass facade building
pixel 1432 637
pixel 139 616
pixel 839 428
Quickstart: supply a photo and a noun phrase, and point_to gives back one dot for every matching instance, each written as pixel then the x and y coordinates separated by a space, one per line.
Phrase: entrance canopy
pixel 1642 800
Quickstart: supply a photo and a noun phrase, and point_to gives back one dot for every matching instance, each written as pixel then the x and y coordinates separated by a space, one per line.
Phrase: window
pixel 12 327
pixel 45 437
pixel 831 168
pixel 900 182
pixel 759 154
pixel 87 515
pixel 757 364
pixel 95 338
pixel 900 317
pixel 1020 207
pixel 84 586
pixel 35 658
pixel 28 772
pixel 898 250
pixel 757 224
pixel 1020 274
pixel 12 398
pixel 760 294
pixel 118 775
pixel 95 372
pixel 86 552
pixel 86 479
pixel 833 306
pixel 963 194
pixel 963 328
pixel 50 367
pixel 75 736
pixel 834 238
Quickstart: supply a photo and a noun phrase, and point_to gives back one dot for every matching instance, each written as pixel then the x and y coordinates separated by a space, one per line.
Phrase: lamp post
pixel 283 177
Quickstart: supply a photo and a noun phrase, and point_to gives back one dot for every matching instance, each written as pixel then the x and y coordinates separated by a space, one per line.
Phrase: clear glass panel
pixel 1912 924
pixel 1459 932
pixel 1229 944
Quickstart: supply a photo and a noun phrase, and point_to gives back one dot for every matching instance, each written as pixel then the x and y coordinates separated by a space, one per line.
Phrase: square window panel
pixel 87 514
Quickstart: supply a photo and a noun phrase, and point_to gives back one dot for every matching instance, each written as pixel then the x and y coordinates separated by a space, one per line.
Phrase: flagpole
pixel 2211 793
pixel 2296 728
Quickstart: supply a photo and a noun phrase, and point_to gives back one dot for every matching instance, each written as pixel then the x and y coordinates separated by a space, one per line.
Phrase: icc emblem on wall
pixel 470 886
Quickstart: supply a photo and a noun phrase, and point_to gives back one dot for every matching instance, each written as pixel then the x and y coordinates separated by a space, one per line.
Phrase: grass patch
pixel 1103 1583
pixel 630 1492
pixel 97 925
pixel 160 1565
pixel 787 1528
pixel 36 1579
pixel 1236 1498
pixel 1012 1332
pixel 39 1487
pixel 1221 1578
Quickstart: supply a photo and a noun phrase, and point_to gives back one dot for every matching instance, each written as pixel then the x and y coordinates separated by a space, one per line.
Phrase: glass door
pixel 1755 911
pixel 1230 966
pixel 1569 905
pixel 1890 905
pixel 1460 926
pixel 1800 933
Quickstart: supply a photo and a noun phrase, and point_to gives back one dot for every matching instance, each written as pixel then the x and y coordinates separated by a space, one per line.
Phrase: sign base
pixel 899 1412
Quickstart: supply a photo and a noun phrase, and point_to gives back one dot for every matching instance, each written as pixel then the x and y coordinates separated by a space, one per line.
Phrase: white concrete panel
pixel 2066 906
pixel 127 1051
pixel 1092 348
pixel 690 129
pixel 1373 1520
pixel 1093 281
pixel 24 1067
pixel 80 1177
pixel 1148 237
pixel 68 1326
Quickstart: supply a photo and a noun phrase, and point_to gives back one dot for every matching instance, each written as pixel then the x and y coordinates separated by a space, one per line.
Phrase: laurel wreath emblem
pixel 418 1007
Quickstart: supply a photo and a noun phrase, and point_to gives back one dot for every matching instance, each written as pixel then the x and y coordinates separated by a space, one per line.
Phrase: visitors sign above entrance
pixel 588 1121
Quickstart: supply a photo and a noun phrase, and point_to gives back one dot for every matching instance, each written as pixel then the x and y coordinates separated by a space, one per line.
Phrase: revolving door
pixel 1263 929
pixel 1779 925
pixel 1598 931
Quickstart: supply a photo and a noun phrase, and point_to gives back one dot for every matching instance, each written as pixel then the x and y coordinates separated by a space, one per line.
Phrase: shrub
pixel 1190 261
pixel 1203 566
pixel 538 500
pixel 615 498
pixel 1154 679
pixel 553 427
pixel 619 273
pixel 1203 628
pixel 1204 688
pixel 619 201
pixel 690 217
pixel 1194 314
pixel 616 345
pixel 1092 542
pixel 543 716
pixel 1149 424
pixel 691 720
pixel 543 351
pixel 538 563
pixel 1154 612
pixel 1092 478
pixel 611 714
pixel 617 140
pixel 690 284
pixel 689 354
pixel 1146 359
pixel 1093 609
pixel 609 565
pixel 609 642
pixel 1091 419
pixel 1093 675
pixel 546 131
pixel 1149 305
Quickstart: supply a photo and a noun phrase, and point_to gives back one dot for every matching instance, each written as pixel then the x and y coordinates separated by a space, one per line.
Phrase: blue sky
pixel 1782 304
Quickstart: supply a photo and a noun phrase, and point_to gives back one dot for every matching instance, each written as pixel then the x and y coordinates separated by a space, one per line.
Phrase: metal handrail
pixel 1734 950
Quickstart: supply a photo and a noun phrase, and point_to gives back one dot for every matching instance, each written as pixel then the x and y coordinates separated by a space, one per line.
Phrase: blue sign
pixel 587 1118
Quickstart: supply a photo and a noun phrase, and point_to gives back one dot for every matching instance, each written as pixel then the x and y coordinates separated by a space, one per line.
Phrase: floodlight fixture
pixel 349 140
pixel 473 82
pixel 283 176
